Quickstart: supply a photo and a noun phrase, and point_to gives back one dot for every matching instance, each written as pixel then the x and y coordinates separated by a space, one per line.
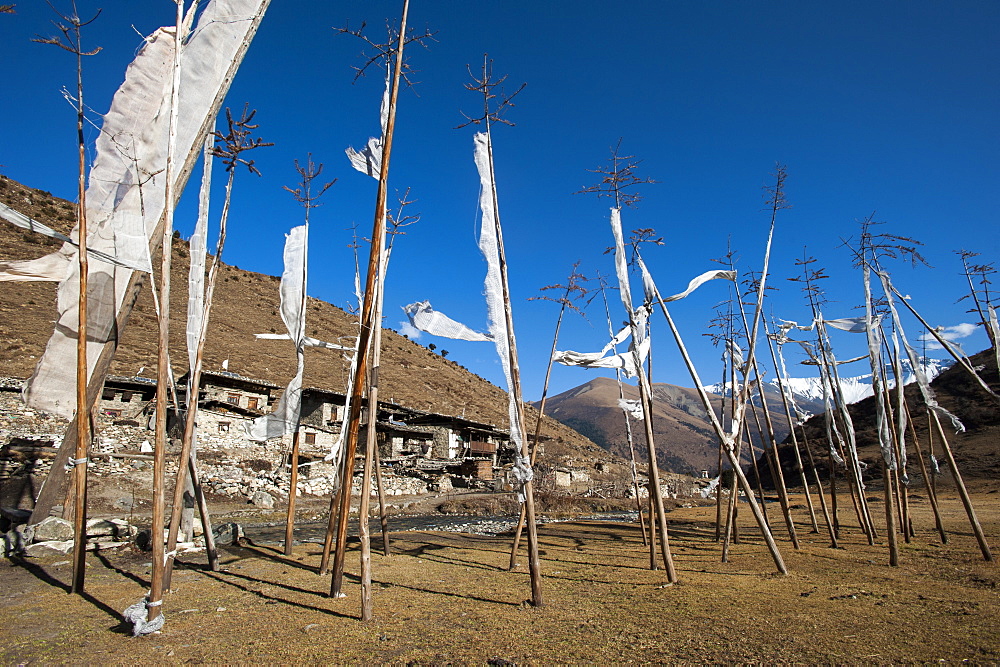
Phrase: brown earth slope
pixel 685 441
pixel 246 303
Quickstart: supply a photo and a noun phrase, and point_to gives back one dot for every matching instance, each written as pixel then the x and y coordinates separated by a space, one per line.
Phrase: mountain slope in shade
pixel 977 450
pixel 684 438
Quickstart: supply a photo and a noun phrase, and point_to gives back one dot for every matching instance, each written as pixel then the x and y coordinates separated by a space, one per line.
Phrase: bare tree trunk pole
pixel 538 431
pixel 890 516
pixel 730 454
pixel 364 503
pixel 756 467
pixel 791 430
pixel 162 359
pixel 833 497
pixel 82 404
pixel 819 489
pixel 206 521
pixel 368 324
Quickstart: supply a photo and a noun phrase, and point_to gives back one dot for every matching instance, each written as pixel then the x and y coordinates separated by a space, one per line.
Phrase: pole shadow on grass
pixel 387 585
pixel 222 577
pixel 39 572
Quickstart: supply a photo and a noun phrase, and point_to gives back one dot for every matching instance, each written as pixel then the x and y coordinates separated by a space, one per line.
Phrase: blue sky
pixel 875 107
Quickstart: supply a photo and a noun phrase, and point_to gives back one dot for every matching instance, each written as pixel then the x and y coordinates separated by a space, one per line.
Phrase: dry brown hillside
pixel 246 303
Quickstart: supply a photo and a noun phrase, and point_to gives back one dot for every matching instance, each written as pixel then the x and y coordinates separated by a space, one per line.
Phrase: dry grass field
pixel 447 598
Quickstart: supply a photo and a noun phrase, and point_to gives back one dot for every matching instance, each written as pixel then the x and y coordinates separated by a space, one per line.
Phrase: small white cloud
pixel 950 334
pixel 408 330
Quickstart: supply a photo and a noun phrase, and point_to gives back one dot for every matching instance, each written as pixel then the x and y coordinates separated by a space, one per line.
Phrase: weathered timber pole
pixel 368 325
pixel 962 491
pixel 293 489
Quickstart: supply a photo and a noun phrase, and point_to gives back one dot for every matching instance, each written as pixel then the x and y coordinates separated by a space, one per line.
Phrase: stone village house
pixel 419 450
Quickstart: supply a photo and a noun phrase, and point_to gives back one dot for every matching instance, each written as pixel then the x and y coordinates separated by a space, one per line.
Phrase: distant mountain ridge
pixel 684 439
pixel 808 391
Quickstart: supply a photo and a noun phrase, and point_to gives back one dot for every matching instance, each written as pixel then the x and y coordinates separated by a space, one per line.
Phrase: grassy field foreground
pixel 447 598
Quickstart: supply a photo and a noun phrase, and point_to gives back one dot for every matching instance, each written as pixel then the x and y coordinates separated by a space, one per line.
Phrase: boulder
pixel 263 499
pixel 53 528
pixel 100 528
pixel 228 534
pixel 48 548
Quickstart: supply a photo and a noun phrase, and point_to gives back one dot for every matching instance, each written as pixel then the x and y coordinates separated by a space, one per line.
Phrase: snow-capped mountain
pixel 808 392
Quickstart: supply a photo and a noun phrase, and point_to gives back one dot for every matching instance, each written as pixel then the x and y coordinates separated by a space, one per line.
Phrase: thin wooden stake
pixel 928 485
pixel 963 493
pixel 293 491
pixel 890 516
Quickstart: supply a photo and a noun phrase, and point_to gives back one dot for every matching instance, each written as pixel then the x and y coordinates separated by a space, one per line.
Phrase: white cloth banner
pixel 849 324
pixel 489 244
pixel 423 316
pixel 307 341
pixel 930 398
pixel 125 197
pixel 285 417
pixel 600 359
pixel 632 407
pixel 701 280
pixel 196 268
pixel 55 265
pixel 369 159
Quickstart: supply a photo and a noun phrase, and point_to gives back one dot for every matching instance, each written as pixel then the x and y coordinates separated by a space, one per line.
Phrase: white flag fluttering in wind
pixel 489 244
pixel 196 269
pixel 701 280
pixel 46 268
pixel 930 399
pixel 369 159
pixel 125 196
pixel 632 406
pixel 849 324
pixel 422 316
pixel 623 361
pixel 285 417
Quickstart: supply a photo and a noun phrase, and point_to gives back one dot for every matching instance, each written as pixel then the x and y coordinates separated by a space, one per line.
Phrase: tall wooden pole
pixel 538 424
pixel 928 485
pixel 791 429
pixel 729 450
pixel 163 342
pixel 368 324
pixel 82 405
pixel 534 562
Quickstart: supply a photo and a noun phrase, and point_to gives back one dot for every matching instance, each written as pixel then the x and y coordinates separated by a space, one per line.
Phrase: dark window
pixel 310 438
pixel 126 396
pixel 234 399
